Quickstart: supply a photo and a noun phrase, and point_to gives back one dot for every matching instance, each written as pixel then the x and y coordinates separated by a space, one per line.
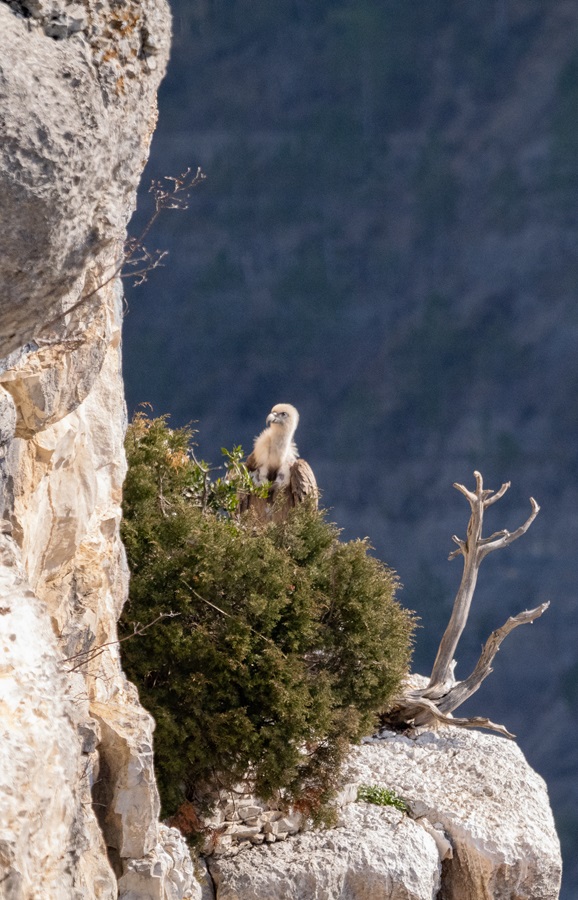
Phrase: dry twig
pixel 94 652
pixel 134 253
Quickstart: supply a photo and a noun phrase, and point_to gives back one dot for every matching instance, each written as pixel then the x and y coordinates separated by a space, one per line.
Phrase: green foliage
pixel 282 645
pixel 167 478
pixel 370 793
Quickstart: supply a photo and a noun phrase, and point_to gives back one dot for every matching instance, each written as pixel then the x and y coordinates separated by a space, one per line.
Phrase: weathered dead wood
pixel 443 693
pixel 463 690
pixel 424 711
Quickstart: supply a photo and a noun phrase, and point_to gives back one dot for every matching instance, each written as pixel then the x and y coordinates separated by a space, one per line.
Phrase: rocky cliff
pixel 79 804
pixel 78 801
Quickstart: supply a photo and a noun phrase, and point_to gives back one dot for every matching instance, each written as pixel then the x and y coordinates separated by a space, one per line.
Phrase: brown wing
pixel 260 507
pixel 302 483
pixel 251 462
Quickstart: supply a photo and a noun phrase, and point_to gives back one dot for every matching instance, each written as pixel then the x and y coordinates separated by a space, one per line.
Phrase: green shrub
pixel 282 644
pixel 370 793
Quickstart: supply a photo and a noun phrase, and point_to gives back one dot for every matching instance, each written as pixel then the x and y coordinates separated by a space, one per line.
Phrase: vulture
pixel 275 459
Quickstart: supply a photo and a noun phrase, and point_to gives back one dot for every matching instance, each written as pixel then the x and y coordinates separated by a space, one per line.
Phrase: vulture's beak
pixel 271 418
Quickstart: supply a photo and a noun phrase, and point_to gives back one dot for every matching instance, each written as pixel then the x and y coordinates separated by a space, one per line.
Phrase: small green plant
pixel 275 646
pixel 370 793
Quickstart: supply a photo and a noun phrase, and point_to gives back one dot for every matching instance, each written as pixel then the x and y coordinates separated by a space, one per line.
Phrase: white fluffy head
pixel 285 416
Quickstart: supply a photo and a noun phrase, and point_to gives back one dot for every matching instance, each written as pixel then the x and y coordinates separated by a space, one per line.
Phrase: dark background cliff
pixel 388 238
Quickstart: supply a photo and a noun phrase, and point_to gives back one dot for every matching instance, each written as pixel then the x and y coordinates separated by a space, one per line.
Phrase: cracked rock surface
pixel 78 800
pixel 478 827
pixel 491 805
pixel 375 854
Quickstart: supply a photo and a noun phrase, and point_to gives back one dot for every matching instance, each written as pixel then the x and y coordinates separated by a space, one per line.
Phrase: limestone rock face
pixel 375 854
pixel 78 84
pixel 478 827
pixel 78 801
pixel 166 873
pixel 49 842
pixel 492 807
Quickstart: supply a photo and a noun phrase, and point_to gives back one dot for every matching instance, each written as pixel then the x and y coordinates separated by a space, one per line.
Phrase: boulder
pixel 165 873
pixel 478 826
pixel 491 805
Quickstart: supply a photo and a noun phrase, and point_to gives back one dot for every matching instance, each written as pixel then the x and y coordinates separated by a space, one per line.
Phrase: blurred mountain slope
pixel 388 239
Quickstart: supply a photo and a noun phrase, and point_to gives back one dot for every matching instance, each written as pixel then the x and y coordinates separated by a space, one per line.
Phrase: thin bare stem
pixel 175 197
pixel 94 652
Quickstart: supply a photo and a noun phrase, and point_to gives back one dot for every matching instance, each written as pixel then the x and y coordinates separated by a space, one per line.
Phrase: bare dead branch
pixel 498 495
pixel 463 490
pixel 464 689
pixel 443 694
pixel 474 549
pixel 507 537
pixel 492 537
pixel 176 197
pixel 461 551
pixel 425 712
pixel 474 722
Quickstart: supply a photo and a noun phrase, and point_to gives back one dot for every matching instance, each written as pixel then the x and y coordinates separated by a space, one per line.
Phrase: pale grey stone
pixel 379 854
pixel 249 812
pixel 242 832
pixel 48 834
pixel 290 823
pixel 75 135
pixel 7 417
pixel 78 107
pixel 484 799
pixel 165 873
pixel 473 804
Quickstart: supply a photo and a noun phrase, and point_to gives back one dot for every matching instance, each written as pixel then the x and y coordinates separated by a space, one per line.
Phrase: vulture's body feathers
pixel 275 459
